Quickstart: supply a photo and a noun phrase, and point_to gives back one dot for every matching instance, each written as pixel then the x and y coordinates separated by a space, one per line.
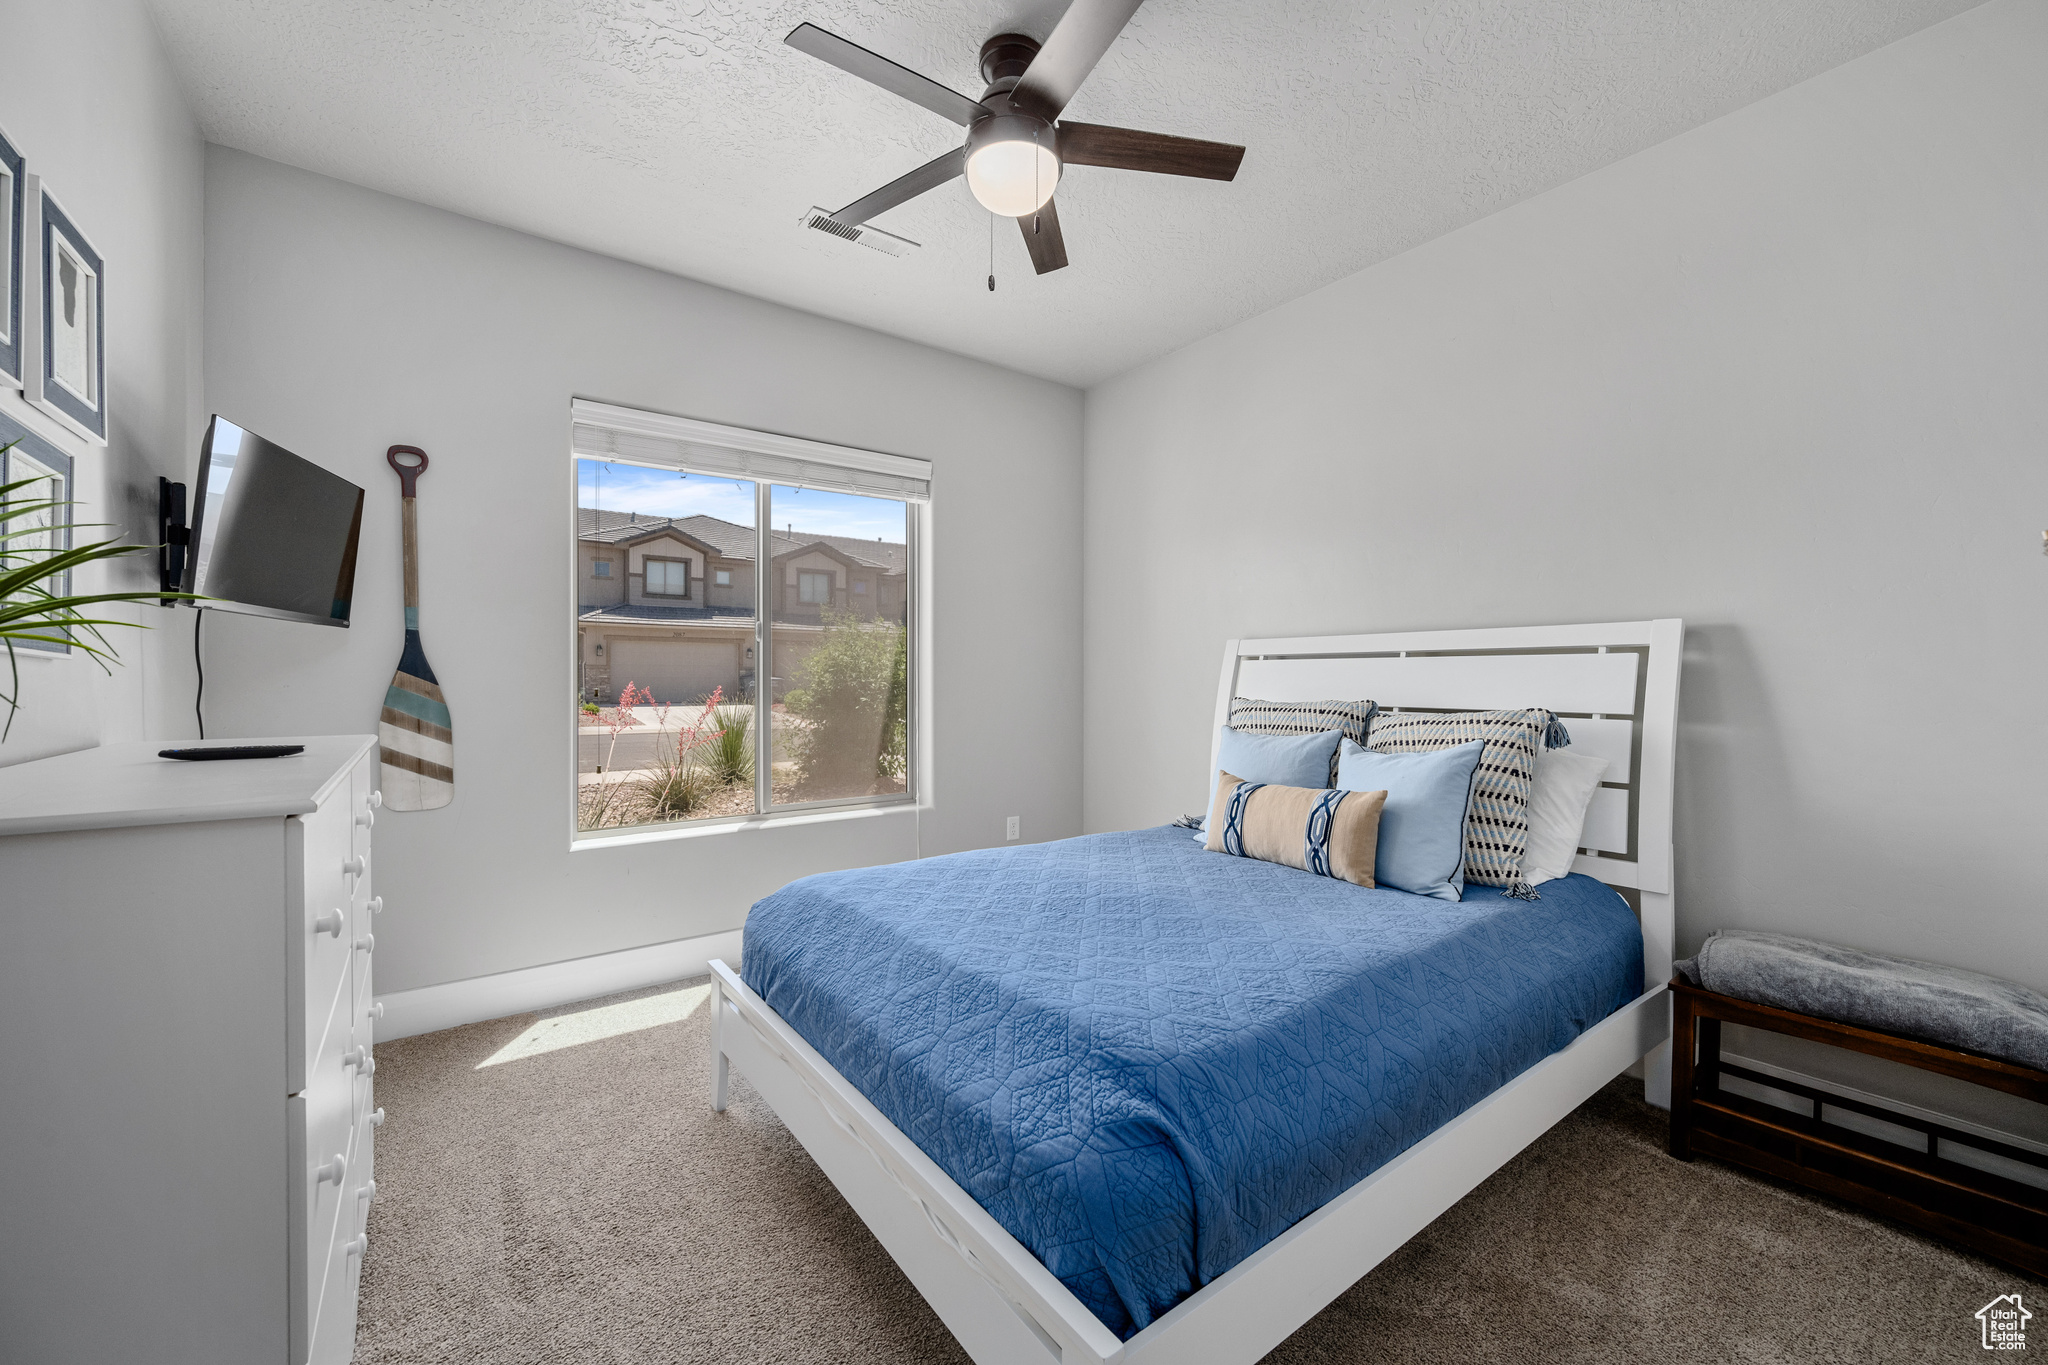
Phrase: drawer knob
pixel 376 904
pixel 332 1169
pixel 377 1009
pixel 376 800
pixel 360 1245
pixel 329 923
pixel 377 1117
pixel 367 943
pixel 368 1191
pixel 359 1059
pixel 356 867
pixel 367 819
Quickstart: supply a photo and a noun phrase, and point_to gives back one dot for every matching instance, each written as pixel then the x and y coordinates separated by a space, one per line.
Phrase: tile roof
pixel 732 540
pixel 888 555
pixel 648 614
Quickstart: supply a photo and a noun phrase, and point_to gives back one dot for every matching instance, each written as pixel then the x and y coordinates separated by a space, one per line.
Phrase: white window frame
pixel 619 435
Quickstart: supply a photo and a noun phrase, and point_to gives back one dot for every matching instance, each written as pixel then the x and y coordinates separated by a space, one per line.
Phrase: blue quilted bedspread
pixel 1147 1061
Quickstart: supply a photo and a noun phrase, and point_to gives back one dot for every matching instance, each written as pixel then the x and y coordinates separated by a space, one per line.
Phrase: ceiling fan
pixel 1016 142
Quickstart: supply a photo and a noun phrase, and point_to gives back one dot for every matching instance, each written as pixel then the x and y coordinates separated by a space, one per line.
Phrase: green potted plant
pixel 29 612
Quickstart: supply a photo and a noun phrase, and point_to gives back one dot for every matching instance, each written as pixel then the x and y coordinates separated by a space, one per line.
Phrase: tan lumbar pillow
pixel 1331 833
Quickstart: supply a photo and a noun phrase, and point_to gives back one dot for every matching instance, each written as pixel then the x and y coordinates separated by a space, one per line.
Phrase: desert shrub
pixel 677 789
pixel 729 753
pixel 851 696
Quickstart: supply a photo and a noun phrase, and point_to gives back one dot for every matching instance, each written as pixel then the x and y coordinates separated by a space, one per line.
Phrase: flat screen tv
pixel 272 534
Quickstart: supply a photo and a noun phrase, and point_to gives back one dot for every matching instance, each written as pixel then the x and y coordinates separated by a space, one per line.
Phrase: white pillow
pixel 1558 797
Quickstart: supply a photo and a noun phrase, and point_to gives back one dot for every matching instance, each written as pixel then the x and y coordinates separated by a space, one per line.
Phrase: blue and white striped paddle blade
pixel 417 736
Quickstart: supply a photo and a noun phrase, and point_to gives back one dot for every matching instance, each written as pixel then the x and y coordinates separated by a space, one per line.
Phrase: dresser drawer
pixel 365 802
pixel 366 1116
pixel 363 1164
pixel 334 1329
pixel 320 1161
pixel 365 805
pixel 363 1027
pixel 321 899
pixel 362 971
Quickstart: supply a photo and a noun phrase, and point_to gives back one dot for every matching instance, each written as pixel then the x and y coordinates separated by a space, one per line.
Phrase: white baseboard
pixel 454 1003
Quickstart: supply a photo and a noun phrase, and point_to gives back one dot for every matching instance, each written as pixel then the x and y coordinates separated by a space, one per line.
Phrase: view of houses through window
pixel 686 695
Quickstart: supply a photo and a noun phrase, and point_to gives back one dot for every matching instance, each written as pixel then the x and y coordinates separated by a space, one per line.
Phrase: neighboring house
pixel 667 603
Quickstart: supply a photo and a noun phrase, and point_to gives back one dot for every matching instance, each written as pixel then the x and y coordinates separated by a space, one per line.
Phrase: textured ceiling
pixel 682 134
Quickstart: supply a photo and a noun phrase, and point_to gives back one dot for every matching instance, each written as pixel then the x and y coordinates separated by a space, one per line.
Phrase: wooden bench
pixel 1991 1214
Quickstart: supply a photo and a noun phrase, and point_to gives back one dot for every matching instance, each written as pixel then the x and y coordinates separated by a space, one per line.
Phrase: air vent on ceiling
pixel 871 237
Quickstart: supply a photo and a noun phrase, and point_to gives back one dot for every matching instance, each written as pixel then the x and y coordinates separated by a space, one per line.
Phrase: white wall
pixel 341 321
pixel 89 99
pixel 1785 376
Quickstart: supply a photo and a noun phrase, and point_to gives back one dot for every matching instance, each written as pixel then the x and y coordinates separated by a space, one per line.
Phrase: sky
pixel 617 487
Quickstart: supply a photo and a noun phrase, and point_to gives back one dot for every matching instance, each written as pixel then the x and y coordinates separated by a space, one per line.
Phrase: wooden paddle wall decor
pixel 415 732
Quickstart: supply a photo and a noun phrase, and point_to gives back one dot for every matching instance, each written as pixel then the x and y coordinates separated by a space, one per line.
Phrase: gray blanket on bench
pixel 1944 1005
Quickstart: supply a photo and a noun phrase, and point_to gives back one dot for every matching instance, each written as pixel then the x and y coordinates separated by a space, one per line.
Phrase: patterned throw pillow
pixel 1497 826
pixel 1255 717
pixel 1330 833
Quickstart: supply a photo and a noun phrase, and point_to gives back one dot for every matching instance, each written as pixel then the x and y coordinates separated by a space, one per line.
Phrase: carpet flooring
pixel 555 1188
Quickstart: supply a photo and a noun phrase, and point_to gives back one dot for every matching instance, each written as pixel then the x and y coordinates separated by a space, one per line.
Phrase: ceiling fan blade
pixel 1043 240
pixel 879 70
pixel 1077 43
pixel 1127 149
pixel 929 176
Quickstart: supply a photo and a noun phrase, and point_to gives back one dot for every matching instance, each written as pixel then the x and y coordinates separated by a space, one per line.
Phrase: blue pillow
pixel 1422 828
pixel 1282 760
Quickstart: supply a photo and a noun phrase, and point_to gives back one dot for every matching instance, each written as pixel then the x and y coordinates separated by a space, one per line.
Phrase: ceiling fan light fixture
pixel 1012 168
pixel 1016 139
pixel 1013 178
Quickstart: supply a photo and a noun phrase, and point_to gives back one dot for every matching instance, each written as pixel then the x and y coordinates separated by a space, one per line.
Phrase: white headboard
pixel 1614 685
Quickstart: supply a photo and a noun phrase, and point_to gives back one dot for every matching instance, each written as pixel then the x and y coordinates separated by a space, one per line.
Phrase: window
pixel 670 728
pixel 860 588
pixel 601 569
pixel 668 577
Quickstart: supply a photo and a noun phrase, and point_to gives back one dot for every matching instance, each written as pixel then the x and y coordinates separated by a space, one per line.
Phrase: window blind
pixel 601 431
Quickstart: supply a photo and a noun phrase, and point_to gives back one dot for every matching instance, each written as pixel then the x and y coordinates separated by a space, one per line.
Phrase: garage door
pixel 677 672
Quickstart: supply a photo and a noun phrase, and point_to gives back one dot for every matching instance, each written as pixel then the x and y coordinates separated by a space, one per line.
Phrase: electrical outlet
pixel 1014 827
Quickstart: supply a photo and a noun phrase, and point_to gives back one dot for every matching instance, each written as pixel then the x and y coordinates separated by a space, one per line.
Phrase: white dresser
pixel 186 1109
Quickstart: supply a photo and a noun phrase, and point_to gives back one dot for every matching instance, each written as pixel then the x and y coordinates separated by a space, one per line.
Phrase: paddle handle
pixel 412 564
pixel 408 489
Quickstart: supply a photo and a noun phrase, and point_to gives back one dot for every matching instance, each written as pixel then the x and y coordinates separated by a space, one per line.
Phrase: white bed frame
pixel 1616 686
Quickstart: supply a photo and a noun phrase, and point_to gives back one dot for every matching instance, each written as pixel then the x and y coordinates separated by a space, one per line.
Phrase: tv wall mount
pixel 173 537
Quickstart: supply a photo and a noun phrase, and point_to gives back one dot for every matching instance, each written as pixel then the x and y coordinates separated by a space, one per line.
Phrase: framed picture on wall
pixel 12 201
pixel 46 471
pixel 66 376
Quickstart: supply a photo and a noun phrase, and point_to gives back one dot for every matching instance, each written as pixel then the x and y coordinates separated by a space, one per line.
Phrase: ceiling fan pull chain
pixel 991 253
